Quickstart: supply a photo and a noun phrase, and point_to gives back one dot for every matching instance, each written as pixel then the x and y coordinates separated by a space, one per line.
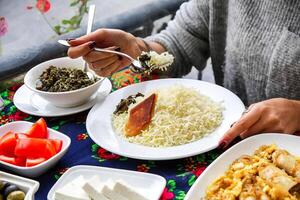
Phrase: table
pixel 180 174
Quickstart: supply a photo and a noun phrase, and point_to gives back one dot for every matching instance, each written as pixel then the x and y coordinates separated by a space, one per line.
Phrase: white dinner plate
pixel 245 147
pixel 99 123
pixel 31 103
pixel 149 185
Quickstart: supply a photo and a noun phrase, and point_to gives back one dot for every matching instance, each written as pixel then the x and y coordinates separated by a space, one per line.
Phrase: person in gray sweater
pixel 254 47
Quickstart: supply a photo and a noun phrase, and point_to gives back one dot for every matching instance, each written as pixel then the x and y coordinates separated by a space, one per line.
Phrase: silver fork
pixel 135 63
pixel 1 104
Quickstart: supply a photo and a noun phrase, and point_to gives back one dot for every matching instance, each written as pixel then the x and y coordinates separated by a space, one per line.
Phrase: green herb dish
pixel 63 85
pixel 55 79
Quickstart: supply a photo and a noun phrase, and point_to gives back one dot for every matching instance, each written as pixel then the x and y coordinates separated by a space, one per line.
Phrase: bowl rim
pixel 42 164
pixel 49 93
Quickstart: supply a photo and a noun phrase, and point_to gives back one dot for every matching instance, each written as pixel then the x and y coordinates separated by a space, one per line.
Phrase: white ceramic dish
pixel 34 171
pixel 245 147
pixel 61 99
pixel 149 185
pixel 31 103
pixel 27 185
pixel 99 123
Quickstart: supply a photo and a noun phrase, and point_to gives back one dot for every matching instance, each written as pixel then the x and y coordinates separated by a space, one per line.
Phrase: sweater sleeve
pixel 186 37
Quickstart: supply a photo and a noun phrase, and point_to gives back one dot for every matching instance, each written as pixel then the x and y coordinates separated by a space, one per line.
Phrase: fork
pixel 135 63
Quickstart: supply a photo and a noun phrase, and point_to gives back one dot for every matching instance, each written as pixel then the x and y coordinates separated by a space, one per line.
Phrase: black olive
pixel 3 185
pixel 9 189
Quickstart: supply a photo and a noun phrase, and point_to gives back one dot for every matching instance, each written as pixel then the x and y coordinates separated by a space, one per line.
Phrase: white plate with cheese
pixel 79 182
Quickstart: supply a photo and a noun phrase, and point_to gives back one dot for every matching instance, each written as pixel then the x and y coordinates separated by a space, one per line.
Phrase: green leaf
pixel 65 21
pixel 55 127
pixel 180 195
pixel 192 180
pixel 57 29
pixel 95 147
pixel 74 2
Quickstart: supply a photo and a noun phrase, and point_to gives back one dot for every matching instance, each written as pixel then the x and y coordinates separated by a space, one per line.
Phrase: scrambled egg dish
pixel 271 173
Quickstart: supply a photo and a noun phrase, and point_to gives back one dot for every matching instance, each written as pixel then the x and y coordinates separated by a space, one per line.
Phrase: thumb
pixel 98 36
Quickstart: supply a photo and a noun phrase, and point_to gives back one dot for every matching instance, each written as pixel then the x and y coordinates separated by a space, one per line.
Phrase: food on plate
pixel 55 79
pixel 181 115
pixel 124 104
pixel 260 176
pixel 72 190
pixel 93 188
pixel 30 148
pixel 153 61
pixel 9 191
pixel 140 116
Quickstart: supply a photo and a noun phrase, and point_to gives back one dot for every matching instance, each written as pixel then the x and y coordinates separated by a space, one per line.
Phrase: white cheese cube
pixel 72 191
pixel 108 191
pixel 94 187
pixel 125 190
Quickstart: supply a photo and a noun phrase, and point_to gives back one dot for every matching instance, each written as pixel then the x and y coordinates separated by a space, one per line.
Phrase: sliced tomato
pixel 8 143
pixel 34 148
pixel 57 144
pixel 34 161
pixel 21 135
pixel 38 129
pixel 20 161
pixel 8 159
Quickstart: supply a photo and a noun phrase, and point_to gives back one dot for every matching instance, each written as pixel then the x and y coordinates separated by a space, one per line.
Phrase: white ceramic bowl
pixel 34 171
pixel 27 185
pixel 61 99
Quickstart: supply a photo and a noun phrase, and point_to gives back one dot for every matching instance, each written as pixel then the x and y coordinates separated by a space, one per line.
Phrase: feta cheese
pixel 108 191
pixel 125 190
pixel 94 187
pixel 72 191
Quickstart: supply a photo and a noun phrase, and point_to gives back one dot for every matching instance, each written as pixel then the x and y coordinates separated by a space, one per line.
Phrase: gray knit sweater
pixel 254 45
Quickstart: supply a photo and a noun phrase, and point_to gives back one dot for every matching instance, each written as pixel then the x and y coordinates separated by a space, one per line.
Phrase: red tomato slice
pixel 8 159
pixel 34 148
pixel 38 129
pixel 20 161
pixel 57 144
pixel 34 161
pixel 8 143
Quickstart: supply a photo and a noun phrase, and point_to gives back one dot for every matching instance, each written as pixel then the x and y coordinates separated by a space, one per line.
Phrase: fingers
pixel 109 69
pixel 101 64
pixel 94 56
pixel 98 36
pixel 81 50
pixel 245 122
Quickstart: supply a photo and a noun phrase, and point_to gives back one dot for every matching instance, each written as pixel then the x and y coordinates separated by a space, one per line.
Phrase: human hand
pixel 104 64
pixel 275 115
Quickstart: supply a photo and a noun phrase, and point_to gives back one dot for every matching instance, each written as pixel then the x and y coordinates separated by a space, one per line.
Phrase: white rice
pixel 181 115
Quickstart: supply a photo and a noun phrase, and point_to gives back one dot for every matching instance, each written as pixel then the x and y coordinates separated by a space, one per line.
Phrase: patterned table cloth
pixel 180 174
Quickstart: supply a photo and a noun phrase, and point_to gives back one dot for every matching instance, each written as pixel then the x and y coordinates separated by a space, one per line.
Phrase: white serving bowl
pixel 61 99
pixel 34 171
pixel 27 185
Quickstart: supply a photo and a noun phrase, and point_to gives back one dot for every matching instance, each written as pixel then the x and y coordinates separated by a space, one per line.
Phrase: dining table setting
pixel 67 133
pixel 132 136
pixel 180 174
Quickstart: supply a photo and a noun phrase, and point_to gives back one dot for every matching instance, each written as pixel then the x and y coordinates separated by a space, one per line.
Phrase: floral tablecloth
pixel 180 174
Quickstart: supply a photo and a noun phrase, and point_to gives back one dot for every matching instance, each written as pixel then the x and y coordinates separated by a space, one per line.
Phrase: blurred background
pixel 29 29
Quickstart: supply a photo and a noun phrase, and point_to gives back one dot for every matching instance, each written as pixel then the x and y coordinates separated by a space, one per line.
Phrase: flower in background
pixel 167 195
pixel 102 153
pixel 3 26
pixel 18 116
pixel 43 5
